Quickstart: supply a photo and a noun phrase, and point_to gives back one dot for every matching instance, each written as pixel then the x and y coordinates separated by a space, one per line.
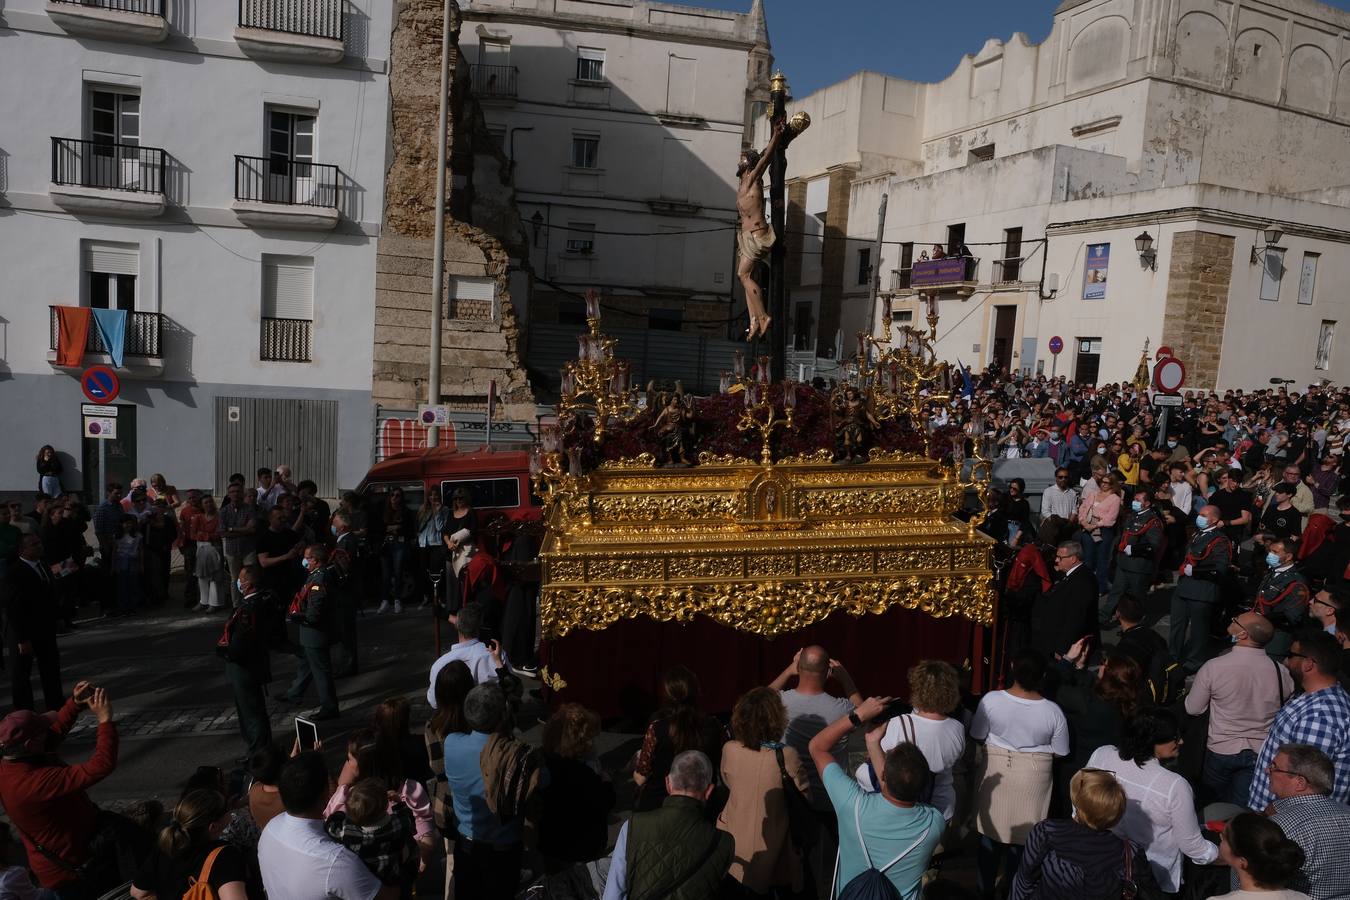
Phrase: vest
pixel 665 844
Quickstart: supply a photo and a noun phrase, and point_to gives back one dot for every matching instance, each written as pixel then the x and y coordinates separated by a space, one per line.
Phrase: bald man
pixel 1242 689
pixel 810 707
pixel 1198 594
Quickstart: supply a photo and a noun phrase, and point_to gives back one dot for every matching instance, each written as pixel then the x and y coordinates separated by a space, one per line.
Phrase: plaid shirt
pixel 1320 718
pixel 107 520
pixel 389 849
pixel 1319 825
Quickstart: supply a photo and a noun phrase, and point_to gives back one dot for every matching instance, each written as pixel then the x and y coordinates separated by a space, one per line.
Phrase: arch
pixel 1342 109
pixel 1310 79
pixel 1098 53
pixel 1201 49
pixel 1257 61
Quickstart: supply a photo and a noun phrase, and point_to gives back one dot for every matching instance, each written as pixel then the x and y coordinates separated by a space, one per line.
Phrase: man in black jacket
pixel 31 615
pixel 1068 611
pixel 311 614
pixel 248 663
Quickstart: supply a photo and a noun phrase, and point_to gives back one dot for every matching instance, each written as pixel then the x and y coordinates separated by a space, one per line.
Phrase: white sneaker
pixel 398 606
pixel 384 608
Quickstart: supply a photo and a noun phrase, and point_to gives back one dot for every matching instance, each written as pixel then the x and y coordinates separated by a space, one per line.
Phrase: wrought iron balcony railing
pixel 95 164
pixel 493 81
pixel 261 179
pixel 285 340
pixel 143 337
pixel 314 18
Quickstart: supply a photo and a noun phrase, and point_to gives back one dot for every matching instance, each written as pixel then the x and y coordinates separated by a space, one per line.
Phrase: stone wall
pixel 1196 309
pixel 480 342
pixel 834 261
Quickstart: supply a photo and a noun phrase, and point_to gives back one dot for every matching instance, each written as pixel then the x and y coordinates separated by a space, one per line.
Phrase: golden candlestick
pixel 759 403
pixel 596 383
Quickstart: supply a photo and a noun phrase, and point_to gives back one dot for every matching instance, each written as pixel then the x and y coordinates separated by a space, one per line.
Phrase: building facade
pixel 1168 172
pixel 622 123
pixel 214 171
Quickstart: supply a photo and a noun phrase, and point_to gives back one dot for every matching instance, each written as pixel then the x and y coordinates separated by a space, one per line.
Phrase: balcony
pixel 285 193
pixel 494 83
pixel 295 31
pixel 1008 271
pixel 107 179
pixel 134 21
pixel 285 340
pixel 142 351
pixel 951 275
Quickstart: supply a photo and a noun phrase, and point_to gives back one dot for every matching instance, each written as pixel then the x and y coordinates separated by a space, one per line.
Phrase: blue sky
pixel 817 44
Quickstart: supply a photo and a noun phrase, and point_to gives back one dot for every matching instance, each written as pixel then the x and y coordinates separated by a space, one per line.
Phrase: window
pixel 488 493
pixel 981 154
pixel 585 151
pixel 581 237
pixel 864 265
pixel 287 308
pixel 665 319
pixel 1307 278
pixel 956 238
pixel 290 157
pixel 758 109
pixel 110 272
pixel 590 64
pixel 902 315
pixel 1325 335
pixel 1011 263
pixel 906 264
pixel 1272 273
pixel 115 129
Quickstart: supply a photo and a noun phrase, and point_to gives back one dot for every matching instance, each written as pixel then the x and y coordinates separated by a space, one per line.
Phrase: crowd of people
pixel 1072 776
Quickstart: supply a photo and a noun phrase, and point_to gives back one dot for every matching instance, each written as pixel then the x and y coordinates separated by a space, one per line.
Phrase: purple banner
pixel 931 272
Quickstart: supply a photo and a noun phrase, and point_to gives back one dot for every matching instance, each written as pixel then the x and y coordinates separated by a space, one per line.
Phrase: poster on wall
pixel 1094 271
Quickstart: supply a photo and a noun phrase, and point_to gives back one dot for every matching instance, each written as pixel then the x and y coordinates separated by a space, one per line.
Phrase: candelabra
pixel 760 412
pixel 596 383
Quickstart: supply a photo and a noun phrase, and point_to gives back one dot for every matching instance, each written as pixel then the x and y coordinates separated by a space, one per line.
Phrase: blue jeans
pixel 393 560
pixel 989 858
pixel 1227 777
pixel 128 590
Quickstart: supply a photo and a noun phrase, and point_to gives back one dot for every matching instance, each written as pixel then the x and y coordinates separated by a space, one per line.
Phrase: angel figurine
pixel 854 425
pixel 674 428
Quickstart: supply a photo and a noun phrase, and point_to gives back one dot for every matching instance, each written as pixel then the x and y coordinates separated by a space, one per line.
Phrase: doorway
pixel 803 327
pixel 1088 360
pixel 120 456
pixel 1005 323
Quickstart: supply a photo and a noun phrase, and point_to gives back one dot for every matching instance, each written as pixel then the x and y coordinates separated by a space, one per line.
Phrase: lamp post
pixel 778 88
pixel 438 251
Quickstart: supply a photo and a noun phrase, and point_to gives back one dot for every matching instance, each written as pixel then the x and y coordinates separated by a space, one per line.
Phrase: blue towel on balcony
pixel 112 330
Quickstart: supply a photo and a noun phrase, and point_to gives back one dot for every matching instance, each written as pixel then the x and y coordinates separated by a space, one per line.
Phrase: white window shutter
pixel 288 288
pixel 465 288
pixel 111 259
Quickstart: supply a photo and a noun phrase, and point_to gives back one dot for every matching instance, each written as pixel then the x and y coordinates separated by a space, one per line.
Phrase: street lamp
pixel 536 225
pixel 1148 257
pixel 1272 233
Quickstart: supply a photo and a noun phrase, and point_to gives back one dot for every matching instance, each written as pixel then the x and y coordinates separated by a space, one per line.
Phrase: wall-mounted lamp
pixel 536 225
pixel 1148 257
pixel 1272 233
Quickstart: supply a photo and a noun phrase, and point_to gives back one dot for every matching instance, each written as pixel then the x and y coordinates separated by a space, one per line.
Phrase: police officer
pixel 248 664
pixel 1282 597
pixel 1197 596
pixel 345 581
pixel 311 614
pixel 1136 550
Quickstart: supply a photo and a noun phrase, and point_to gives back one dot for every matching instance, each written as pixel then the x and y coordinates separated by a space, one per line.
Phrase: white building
pixel 623 120
pixel 216 171
pixel 1194 128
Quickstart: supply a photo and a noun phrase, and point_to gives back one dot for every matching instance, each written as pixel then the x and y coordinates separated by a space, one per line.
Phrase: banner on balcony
pixel 72 333
pixel 112 330
pixel 933 272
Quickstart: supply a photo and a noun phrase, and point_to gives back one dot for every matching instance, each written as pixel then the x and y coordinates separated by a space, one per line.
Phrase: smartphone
pixel 306 732
pixel 85 695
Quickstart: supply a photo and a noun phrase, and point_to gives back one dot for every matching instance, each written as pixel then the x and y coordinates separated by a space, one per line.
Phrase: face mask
pixel 1201 522
pixel 1272 560
pixel 1232 639
pixel 333 528
pixel 1054 435
pixel 239 586
pixel 1101 450
pixel 1172 445
pixel 1136 505
pixel 305 564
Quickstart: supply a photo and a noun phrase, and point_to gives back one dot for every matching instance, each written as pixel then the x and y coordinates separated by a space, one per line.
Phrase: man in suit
pixel 312 615
pixel 1196 598
pixel 343 587
pixel 248 662
pixel 31 616
pixel 1068 611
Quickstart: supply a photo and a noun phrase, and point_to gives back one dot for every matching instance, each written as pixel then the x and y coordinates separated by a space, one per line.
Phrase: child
pixel 128 563
pixel 377 830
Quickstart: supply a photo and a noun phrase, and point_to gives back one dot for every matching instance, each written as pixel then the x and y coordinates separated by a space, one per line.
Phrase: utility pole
pixel 438 252
pixel 875 280
pixel 778 88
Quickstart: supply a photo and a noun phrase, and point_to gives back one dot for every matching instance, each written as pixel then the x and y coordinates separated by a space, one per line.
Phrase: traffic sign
pixel 95 409
pixel 1163 352
pixel 1169 375
pixel 434 416
pixel 100 427
pixel 1056 345
pixel 100 384
pixel 1166 399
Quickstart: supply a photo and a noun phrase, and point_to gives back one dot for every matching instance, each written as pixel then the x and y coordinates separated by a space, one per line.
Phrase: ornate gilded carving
pixel 971 558
pixel 839 562
pixel 625 569
pixel 641 461
pixel 767 608
pixel 646 507
pixel 566 570
pixel 914 558
pixel 714 459
pixel 852 501
pixel 706 566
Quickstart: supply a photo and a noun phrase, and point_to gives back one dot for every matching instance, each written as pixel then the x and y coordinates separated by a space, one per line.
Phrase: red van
pixel 498 479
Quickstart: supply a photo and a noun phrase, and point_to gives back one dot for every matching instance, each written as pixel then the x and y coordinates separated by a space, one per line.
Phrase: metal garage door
pixel 253 432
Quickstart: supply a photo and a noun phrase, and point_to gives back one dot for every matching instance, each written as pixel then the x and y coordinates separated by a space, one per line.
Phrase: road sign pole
pixel 1162 429
pixel 1054 365
pixel 102 476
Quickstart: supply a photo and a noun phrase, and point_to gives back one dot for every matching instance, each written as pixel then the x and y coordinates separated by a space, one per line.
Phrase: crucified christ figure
pixel 756 237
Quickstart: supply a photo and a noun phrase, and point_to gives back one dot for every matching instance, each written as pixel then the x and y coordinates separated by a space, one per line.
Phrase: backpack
pixel 1165 679
pixel 199 888
pixel 871 883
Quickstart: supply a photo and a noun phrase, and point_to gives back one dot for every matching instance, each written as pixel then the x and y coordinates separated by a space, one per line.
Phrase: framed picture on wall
pixel 1094 271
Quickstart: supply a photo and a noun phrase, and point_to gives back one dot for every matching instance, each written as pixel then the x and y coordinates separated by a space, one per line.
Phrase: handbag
pixel 910 735
pixel 1129 889
pixel 801 820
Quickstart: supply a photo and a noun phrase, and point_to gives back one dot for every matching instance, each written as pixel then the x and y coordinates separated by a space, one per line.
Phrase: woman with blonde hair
pixel 1081 857
pixel 755 766
pixel 190 850
pixel 934 692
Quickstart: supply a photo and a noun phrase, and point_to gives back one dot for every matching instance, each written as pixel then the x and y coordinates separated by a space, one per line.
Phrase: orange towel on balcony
pixel 72 334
